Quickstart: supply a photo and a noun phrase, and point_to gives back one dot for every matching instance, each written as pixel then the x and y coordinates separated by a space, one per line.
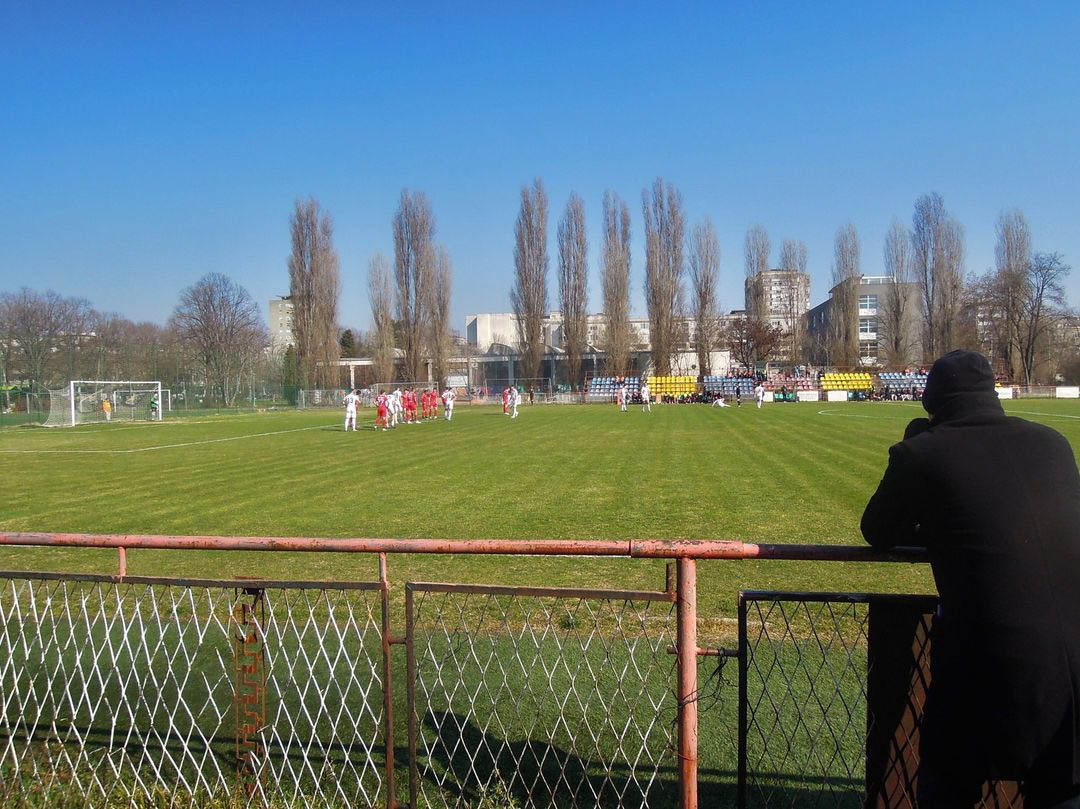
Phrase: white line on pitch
pixel 1045 415
pixel 161 446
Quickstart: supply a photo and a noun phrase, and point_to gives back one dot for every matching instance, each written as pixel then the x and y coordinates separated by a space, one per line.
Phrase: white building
pixel 786 297
pixel 496 334
pixel 280 323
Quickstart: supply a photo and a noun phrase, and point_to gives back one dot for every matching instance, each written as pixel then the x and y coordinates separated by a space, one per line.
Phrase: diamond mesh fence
pixel 541 697
pixel 188 693
pixel 832 692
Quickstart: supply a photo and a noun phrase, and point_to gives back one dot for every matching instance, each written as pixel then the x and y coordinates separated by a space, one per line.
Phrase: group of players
pixel 400 406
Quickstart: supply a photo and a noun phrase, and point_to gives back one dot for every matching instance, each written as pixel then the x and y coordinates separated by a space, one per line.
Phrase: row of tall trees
pixel 410 302
pixel 665 269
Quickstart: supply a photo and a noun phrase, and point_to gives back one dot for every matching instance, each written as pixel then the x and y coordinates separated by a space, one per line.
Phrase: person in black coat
pixel 996 501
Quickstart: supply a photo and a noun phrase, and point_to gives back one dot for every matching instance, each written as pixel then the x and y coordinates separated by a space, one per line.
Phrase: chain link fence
pixel 831 697
pixel 135 691
pixel 541 698
pixel 186 693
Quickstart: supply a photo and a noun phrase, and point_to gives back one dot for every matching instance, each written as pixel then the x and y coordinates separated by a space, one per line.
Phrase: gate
pixel 831 694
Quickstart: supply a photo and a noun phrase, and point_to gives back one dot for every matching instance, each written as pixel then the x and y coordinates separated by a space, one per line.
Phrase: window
pixel 868 301
pixel 868 350
pixel 867 325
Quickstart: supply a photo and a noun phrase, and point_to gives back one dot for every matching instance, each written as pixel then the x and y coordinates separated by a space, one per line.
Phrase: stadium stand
pixel 903 380
pixel 605 387
pixel 673 385
pixel 777 380
pixel 847 381
pixel 727 385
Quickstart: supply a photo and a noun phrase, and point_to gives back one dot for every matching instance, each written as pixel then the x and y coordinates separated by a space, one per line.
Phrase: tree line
pixel 1015 312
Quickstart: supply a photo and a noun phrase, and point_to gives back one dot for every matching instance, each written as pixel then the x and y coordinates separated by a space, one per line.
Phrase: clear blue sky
pixel 142 145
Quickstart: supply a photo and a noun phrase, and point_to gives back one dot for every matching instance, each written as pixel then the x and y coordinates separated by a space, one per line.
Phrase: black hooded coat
pixel 996 501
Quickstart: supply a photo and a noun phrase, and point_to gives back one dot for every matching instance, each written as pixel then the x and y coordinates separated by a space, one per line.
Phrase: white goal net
pixel 96 401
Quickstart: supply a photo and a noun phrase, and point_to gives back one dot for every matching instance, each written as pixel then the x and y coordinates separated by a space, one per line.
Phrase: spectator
pixel 996 501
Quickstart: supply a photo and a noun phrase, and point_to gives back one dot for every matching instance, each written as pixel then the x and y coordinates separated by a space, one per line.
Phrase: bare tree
pixel 221 322
pixel 381 295
pixel 529 294
pixel 314 285
pixel 574 284
pixel 704 278
pixel 793 262
pixel 414 270
pixel 844 320
pixel 938 253
pixel 616 283
pixel 664 266
pixel 1006 290
pixel 751 341
pixel 441 289
pixel 756 249
pixel 950 283
pixel 1041 307
pixel 894 322
pixel 34 326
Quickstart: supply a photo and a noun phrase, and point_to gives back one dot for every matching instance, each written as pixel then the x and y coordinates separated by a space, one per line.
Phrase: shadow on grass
pixel 469 767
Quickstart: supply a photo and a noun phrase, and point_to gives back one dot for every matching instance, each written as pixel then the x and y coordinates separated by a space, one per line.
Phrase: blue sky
pixel 142 145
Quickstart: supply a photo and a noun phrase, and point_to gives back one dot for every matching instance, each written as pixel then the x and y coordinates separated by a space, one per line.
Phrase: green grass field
pixel 787 473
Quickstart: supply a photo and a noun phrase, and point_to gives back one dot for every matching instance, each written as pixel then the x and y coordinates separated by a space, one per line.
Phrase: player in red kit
pixel 506 401
pixel 410 408
pixel 381 403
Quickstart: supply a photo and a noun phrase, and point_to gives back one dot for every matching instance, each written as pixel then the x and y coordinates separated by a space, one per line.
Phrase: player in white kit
pixel 448 403
pixel 623 396
pixel 515 400
pixel 759 394
pixel 351 401
pixel 646 398
pixel 395 407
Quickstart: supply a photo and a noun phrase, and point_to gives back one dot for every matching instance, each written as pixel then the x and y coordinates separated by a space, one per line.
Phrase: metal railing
pixel 124 690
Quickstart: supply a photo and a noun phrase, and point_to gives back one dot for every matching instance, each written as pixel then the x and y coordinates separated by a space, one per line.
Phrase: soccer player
pixel 622 397
pixel 515 400
pixel 154 407
pixel 506 400
pixel 738 396
pixel 410 407
pixel 382 404
pixel 646 398
pixel 759 394
pixel 106 407
pixel 448 403
pixel 395 408
pixel 351 401
pixel 719 402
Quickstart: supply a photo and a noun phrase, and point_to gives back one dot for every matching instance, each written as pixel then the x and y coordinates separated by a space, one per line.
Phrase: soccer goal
pixel 84 402
pixel 321 398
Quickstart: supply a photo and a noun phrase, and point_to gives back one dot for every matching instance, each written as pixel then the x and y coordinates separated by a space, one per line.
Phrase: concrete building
pixel 280 323
pixel 872 291
pixel 787 297
pixel 492 337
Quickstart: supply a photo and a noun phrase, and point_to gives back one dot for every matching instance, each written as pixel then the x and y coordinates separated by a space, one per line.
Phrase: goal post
pixel 92 401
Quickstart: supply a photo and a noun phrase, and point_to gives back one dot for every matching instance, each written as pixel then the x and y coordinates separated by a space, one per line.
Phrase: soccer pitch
pixel 798 473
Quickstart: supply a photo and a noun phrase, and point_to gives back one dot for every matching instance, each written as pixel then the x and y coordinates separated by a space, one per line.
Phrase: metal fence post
pixel 249 691
pixel 686 604
pixel 740 795
pixel 388 691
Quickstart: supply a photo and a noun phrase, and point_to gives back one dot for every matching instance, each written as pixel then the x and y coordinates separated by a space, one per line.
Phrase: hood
pixel 960 383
